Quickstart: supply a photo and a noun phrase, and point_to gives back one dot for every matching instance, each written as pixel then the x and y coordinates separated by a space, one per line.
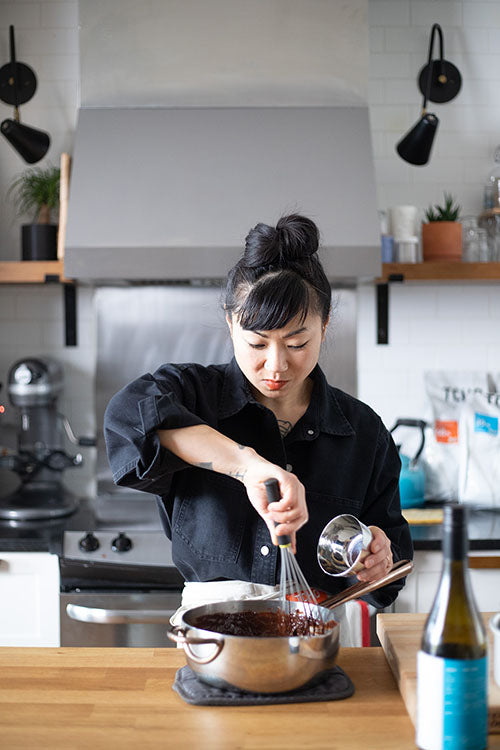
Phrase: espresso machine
pixel 32 474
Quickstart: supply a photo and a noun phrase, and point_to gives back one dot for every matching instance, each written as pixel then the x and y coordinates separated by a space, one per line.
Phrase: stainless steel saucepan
pixel 262 664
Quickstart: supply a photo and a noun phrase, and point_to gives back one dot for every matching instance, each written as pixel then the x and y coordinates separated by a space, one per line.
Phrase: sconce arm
pixel 13 65
pixel 430 63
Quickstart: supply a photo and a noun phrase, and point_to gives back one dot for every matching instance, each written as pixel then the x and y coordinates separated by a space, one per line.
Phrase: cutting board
pixel 400 635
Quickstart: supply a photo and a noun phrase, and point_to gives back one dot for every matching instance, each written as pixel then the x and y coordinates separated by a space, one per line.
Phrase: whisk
pixel 293 584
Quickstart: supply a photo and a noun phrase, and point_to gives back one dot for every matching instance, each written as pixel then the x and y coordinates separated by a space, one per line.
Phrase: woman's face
pixel 277 363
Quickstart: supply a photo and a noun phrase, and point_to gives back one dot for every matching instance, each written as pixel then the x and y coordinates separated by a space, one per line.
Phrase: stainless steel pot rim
pixel 259 605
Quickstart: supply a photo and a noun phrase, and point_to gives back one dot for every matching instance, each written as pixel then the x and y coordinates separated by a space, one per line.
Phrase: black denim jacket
pixel 339 449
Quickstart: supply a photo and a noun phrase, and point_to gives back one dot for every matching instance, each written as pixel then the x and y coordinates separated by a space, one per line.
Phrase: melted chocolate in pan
pixel 262 624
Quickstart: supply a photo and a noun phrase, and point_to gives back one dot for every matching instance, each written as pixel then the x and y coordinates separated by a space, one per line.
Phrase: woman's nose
pixel 276 360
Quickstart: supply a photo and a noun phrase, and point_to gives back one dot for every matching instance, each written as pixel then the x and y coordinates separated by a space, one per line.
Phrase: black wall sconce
pixel 439 81
pixel 17 86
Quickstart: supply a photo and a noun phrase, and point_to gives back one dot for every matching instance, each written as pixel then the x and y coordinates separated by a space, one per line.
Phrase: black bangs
pixel 274 301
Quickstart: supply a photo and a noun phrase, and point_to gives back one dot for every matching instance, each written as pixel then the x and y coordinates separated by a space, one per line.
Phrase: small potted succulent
pixel 36 192
pixel 442 233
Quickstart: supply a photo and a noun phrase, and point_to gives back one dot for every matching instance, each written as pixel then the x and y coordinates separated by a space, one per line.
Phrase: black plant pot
pixel 39 241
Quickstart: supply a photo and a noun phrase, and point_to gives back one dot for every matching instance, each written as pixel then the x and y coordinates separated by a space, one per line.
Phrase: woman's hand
pixel 290 513
pixel 379 560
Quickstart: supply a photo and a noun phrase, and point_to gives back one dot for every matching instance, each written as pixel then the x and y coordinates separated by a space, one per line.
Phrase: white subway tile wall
pixel 32 317
pixel 399 38
pixel 46 35
pixel 431 325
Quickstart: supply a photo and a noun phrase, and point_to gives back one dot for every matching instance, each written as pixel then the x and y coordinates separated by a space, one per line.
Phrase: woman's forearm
pixel 202 446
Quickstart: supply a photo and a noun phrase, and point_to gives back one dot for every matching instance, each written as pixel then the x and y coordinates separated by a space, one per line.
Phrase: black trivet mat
pixel 334 686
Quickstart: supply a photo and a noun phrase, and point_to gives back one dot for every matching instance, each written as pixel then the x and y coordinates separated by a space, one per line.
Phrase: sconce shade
pixel 415 146
pixel 439 81
pixel 29 143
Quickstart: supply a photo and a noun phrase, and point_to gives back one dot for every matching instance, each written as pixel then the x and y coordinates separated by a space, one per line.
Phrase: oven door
pixel 117 619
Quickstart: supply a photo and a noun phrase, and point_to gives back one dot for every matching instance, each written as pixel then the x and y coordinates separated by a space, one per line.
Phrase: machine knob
pixel 89 542
pixel 121 543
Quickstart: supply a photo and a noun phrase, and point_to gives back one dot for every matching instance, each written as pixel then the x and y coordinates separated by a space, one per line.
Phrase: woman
pixel 204 439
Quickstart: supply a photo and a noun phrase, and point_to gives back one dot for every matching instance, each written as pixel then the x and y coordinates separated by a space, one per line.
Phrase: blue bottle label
pixel 452 703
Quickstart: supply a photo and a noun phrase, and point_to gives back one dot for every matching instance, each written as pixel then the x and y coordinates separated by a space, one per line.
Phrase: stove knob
pixel 89 542
pixel 121 543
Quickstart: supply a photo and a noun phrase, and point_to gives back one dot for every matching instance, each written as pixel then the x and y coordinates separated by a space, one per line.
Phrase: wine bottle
pixel 452 674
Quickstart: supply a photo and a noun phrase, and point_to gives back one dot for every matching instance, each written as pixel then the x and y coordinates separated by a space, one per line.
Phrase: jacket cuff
pixel 165 412
pixel 157 413
pixel 158 461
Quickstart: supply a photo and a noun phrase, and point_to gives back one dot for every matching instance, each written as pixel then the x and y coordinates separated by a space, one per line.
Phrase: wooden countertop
pixel 400 636
pixel 115 698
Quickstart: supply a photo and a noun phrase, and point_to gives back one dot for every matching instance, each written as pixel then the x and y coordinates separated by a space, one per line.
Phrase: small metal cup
pixel 343 545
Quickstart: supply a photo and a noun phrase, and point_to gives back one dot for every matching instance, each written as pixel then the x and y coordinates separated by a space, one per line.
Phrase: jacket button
pixel 264 550
pixel 310 432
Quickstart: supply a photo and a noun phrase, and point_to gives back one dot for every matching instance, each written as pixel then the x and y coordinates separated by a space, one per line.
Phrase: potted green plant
pixel 36 192
pixel 442 233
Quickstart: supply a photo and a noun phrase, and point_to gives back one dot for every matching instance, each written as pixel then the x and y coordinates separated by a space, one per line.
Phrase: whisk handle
pixel 274 496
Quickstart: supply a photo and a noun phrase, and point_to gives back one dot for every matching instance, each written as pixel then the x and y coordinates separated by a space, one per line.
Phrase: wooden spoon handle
pixel 399 570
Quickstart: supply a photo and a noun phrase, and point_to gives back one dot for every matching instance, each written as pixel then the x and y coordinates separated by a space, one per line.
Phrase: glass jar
pixel 470 240
pixel 490 222
pixel 493 197
pixel 407 250
pixel 483 247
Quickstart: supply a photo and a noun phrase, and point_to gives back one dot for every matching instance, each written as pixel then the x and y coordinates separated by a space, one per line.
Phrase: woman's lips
pixel 275 385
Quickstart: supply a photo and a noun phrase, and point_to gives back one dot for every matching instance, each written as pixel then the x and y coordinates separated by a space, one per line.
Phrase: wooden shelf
pixel 36 272
pixel 31 271
pixel 440 271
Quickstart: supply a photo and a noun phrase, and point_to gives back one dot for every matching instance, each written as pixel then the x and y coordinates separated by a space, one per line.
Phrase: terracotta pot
pixel 442 240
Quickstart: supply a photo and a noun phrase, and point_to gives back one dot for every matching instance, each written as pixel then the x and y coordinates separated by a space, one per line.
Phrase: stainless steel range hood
pixel 170 193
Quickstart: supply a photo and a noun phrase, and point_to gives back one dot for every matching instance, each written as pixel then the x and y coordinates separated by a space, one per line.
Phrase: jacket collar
pixel 323 413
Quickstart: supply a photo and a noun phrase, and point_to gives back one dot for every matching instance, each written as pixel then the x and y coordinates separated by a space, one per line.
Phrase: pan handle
pixel 399 570
pixel 118 616
pixel 178 634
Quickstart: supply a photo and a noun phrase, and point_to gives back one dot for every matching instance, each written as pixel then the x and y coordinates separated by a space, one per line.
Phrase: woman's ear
pixel 325 326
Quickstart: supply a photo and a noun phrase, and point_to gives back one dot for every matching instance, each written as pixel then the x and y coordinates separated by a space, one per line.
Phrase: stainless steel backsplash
pixel 141 327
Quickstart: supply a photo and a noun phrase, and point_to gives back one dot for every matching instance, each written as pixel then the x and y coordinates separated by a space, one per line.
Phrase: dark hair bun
pixel 294 240
pixel 279 276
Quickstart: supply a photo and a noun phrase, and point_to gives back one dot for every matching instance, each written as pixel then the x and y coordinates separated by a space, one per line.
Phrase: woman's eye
pixel 290 346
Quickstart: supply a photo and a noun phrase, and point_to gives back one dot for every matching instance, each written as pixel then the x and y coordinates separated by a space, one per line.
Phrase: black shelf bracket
pixel 69 292
pixel 383 313
pixel 70 314
pixel 383 307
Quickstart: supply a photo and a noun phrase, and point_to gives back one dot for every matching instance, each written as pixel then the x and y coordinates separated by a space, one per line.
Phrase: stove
pixel 122 558
pixel 118 583
pixel 119 587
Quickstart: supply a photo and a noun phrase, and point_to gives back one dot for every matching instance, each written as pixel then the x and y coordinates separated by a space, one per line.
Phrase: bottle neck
pixel 455 543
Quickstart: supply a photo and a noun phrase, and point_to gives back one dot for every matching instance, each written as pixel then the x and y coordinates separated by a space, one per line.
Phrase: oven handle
pixel 118 616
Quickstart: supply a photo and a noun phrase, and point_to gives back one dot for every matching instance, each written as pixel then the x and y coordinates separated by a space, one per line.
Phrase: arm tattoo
pixel 237 474
pixel 284 426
